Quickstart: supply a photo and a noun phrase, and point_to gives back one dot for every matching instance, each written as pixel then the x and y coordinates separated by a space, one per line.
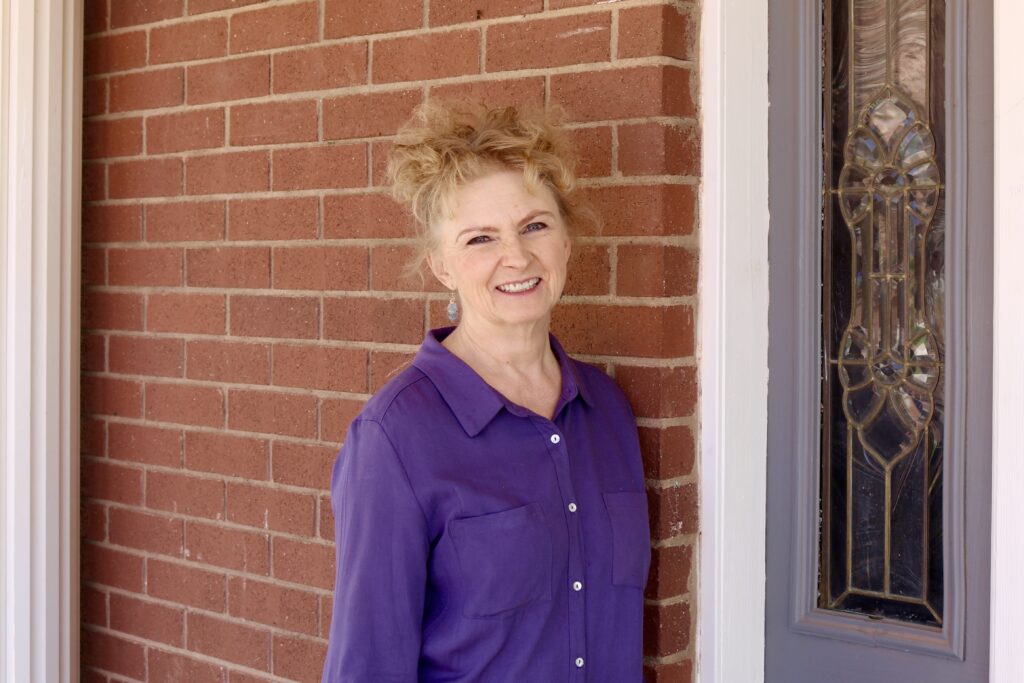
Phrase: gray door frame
pixel 795 204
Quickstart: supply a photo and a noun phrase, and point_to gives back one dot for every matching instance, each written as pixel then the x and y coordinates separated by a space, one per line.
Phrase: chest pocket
pixel 631 537
pixel 505 559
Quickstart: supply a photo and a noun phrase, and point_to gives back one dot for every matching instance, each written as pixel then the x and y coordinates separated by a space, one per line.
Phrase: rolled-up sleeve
pixel 382 553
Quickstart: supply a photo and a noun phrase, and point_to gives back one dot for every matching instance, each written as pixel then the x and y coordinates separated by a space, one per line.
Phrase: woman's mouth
pixel 519 287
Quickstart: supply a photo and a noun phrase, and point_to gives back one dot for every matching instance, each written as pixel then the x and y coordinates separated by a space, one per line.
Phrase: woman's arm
pixel 382 549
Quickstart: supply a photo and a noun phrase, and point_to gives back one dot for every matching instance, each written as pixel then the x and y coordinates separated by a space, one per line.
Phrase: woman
pixel 491 521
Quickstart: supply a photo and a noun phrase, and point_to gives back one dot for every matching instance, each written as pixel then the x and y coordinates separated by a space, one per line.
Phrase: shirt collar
pixel 474 402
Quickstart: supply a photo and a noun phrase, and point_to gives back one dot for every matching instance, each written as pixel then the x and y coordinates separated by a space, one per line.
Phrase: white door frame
pixel 40 252
pixel 734 342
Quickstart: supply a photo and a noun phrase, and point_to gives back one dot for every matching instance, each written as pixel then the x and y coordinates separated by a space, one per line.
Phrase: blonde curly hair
pixel 446 145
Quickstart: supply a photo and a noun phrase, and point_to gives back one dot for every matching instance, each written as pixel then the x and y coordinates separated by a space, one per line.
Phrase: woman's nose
pixel 515 252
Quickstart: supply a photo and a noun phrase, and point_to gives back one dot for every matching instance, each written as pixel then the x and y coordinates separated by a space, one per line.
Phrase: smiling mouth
pixel 519 287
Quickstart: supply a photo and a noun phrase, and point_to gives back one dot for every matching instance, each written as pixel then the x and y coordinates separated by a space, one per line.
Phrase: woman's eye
pixel 479 239
pixel 532 227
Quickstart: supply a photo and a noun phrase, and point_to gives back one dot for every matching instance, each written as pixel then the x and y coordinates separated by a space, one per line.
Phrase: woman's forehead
pixel 499 196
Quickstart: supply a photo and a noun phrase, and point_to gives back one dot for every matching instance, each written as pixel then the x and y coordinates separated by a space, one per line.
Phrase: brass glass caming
pixel 883 309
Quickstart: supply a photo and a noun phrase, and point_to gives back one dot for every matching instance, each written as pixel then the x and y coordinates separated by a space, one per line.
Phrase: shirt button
pixel 579 662
pixel 555 438
pixel 577 585
pixel 572 507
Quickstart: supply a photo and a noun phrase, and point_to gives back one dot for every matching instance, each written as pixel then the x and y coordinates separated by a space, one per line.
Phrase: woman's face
pixel 504 249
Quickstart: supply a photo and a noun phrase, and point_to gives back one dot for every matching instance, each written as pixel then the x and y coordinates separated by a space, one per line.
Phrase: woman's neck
pixel 515 353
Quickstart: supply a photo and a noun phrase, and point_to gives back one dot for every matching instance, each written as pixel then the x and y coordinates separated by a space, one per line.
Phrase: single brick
pixel 185 494
pixel 109 396
pixel 273 123
pixel 321 268
pixel 94 181
pixel 112 138
pixel 150 356
pixel 310 564
pixel 594 146
pixel 284 317
pixel 659 149
pixel 172 667
pixel 110 567
pixel 233 456
pixel 102 480
pixel 445 12
pixel 94 96
pixel 495 92
pixel 368 114
pixel 186 312
pixel 423 57
pixel 659 391
pixel 111 311
pixel 247 267
pixel 94 351
pixel 644 209
pixel 186 585
pixel 223 361
pixel 398 321
pixel 365 215
pixel 185 404
pixel 323 166
pixel 666 629
pixel 670 572
pixel 106 54
pixel 289 218
pixel 146 267
pixel 185 221
pixel 232 79
pixel 542 43
pixel 290 609
pixel 147 620
pixel 270 508
pixel 97 16
pixel 266 28
pixel 636 331
pixel 145 178
pixel 111 653
pixel 667 452
pixel 147 90
pixel 302 465
pixel 656 270
pixel 111 223
pixel 298 658
pixel 189 40
pixel 227 173
pixel 213 544
pixel 589 270
pixel 144 444
pixel 229 641
pixel 311 366
pixel 631 92
pixel 183 131
pixel 131 12
pixel 320 68
pixel 343 18
pixel 154 533
pixel 390 263
pixel 272 412
pixel 656 31
pixel 94 267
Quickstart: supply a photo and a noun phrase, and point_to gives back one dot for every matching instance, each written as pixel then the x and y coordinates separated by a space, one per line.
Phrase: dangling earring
pixel 453 308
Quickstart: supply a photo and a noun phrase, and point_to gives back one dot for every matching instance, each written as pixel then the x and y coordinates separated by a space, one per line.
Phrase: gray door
pixel 879 341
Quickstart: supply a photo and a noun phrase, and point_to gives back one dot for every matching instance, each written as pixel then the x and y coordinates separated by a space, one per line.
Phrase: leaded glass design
pixel 882 310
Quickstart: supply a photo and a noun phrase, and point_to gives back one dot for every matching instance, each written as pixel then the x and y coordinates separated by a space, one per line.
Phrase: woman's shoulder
pixel 408 389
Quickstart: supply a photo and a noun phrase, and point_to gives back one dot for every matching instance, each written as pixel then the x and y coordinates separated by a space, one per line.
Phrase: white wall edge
pixel 734 341
pixel 1006 664
pixel 40 256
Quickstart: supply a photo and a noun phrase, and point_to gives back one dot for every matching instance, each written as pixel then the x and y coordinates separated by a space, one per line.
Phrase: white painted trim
pixel 40 177
pixel 1006 663
pixel 734 340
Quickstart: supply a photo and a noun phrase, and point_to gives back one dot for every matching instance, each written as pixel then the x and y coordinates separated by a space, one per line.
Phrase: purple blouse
pixel 479 542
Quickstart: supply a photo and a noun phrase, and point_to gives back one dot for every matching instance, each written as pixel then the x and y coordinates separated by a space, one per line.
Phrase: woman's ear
pixel 439 269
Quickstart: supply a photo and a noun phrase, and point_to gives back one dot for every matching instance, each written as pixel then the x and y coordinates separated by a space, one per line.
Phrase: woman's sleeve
pixel 382 548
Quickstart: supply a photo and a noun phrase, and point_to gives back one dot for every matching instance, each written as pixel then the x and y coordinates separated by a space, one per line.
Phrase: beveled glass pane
pixel 882 310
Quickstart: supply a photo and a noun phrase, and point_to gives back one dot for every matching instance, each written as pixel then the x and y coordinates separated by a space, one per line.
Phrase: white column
pixel 734 340
pixel 40 172
pixel 1006 663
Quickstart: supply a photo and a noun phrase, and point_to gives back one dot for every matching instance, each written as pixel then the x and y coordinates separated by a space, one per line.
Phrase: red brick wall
pixel 242 292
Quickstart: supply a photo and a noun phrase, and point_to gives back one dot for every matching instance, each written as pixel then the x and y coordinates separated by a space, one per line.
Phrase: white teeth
pixel 520 286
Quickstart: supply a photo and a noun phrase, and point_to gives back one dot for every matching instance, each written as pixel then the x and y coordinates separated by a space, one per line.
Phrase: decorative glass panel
pixel 883 310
